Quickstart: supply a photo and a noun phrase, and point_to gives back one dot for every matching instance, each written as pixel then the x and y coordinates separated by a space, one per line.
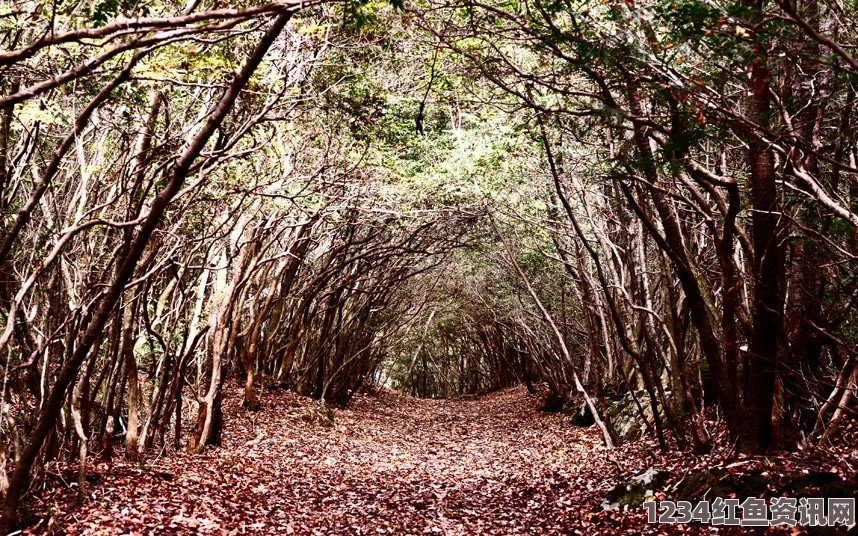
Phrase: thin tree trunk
pixel 53 401
pixel 606 435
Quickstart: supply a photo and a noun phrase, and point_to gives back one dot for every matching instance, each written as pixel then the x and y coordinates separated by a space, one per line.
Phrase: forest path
pixel 387 465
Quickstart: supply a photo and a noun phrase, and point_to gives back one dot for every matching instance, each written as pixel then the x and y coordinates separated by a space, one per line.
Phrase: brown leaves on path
pixel 387 465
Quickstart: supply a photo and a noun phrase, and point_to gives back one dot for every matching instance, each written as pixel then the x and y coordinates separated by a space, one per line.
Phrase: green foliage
pixel 688 20
pixel 100 13
pixel 839 228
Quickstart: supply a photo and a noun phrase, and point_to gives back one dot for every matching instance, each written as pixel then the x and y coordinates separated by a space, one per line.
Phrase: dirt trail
pixel 387 465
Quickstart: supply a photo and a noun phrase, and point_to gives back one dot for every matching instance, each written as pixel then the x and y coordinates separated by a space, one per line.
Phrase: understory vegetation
pixel 646 210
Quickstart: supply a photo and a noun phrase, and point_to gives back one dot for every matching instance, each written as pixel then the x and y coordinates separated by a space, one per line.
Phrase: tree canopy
pixel 655 199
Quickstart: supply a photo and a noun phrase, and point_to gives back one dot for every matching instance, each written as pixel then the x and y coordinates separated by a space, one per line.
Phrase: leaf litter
pixel 387 464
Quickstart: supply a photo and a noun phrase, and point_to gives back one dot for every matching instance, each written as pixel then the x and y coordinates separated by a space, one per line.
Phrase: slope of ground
pixel 385 465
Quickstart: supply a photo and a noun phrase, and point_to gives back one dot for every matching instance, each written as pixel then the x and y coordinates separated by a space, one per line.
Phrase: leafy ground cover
pixel 392 464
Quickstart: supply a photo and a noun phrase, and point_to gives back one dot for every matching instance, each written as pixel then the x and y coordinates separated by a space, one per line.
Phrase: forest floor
pixel 386 465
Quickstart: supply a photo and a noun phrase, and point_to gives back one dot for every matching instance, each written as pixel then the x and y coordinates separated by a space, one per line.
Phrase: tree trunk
pixel 756 434
pixel 104 307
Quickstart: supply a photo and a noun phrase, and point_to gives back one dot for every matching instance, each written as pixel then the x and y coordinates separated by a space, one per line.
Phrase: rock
pixel 626 417
pixel 553 403
pixel 622 412
pixel 632 493
pixel 697 484
pixel 741 486
pixel 582 416
pixel 821 484
pixel 711 483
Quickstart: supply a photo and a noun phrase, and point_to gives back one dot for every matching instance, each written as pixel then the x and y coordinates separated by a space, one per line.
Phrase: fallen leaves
pixel 386 465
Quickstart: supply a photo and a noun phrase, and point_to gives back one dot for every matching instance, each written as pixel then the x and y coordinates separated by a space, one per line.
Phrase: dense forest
pixel 651 201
